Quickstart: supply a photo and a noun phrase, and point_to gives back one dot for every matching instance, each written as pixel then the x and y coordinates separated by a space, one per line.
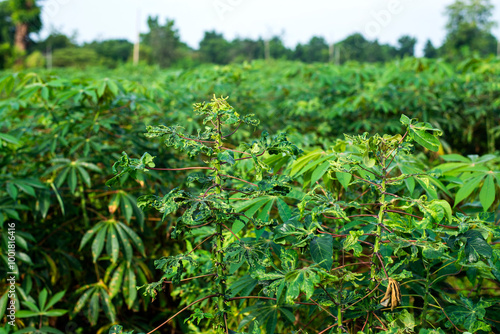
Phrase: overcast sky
pixel 295 20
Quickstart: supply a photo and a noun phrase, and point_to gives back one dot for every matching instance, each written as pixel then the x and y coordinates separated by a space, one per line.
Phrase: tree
pixel 356 48
pixel 406 47
pixel 163 42
pixel 7 31
pixel 429 50
pixel 55 41
pixel 469 28
pixel 246 49
pixel 278 50
pixel 117 50
pixel 25 15
pixel 314 51
pixel 214 48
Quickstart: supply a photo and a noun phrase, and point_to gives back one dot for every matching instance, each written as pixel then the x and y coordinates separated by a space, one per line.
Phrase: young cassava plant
pixel 212 206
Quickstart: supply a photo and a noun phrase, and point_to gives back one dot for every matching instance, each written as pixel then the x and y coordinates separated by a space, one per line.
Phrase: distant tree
pixel 300 52
pixel 163 42
pixel 406 46
pixel 214 48
pixel 117 50
pixel 356 48
pixel 377 53
pixel 75 57
pixel 56 40
pixel 429 50
pixel 316 50
pixel 25 15
pixel 469 28
pixel 278 50
pixel 246 49
pixel 7 32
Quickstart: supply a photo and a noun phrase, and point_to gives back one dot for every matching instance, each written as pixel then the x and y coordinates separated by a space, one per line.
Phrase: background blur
pixel 62 33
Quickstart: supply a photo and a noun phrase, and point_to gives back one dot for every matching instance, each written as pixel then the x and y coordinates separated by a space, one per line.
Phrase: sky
pixel 296 21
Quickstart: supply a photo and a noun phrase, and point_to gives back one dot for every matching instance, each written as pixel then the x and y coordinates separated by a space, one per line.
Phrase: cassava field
pixel 315 199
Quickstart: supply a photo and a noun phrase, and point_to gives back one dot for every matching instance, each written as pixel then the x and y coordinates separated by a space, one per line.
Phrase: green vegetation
pixel 270 227
pixel 468 33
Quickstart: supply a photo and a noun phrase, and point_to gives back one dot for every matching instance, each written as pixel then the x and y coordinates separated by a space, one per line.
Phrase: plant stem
pixel 423 322
pixel 219 256
pixel 380 221
pixel 83 203
pixel 339 317
pixel 185 308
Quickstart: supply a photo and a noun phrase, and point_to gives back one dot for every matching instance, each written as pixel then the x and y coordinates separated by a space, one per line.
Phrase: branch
pixel 227 228
pixel 390 162
pixel 190 278
pixel 374 289
pixel 229 149
pixel 268 298
pixel 185 168
pixel 197 140
pixel 228 135
pixel 382 263
pixel 232 177
pixel 182 310
pixel 201 243
pixel 362 215
pixel 404 213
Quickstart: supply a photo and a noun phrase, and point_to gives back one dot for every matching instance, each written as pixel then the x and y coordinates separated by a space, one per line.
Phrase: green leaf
pixel 98 244
pixel 88 235
pixel 125 242
pixel 404 120
pixel 12 190
pixel 26 314
pixel 476 246
pixel 227 157
pixel 284 210
pixel 344 178
pixel 93 308
pixel 129 290
pixel 55 313
pixel 136 240
pixel 58 196
pixel 116 280
pixel 487 194
pixel 42 299
pixel 57 297
pixel 83 300
pixel 9 139
pixel 319 172
pixel 321 248
pixel 113 241
pixel 420 133
pixel 47 329
pixel 467 189
pixel 72 181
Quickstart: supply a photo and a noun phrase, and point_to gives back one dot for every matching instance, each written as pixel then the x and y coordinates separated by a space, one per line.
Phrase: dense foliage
pixel 317 230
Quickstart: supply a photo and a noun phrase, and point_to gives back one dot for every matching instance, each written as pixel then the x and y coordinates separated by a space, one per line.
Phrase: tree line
pixel 468 30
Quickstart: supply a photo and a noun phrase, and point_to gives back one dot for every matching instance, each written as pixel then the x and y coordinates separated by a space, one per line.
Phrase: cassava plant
pixel 212 206
pixel 368 243
pixel 379 210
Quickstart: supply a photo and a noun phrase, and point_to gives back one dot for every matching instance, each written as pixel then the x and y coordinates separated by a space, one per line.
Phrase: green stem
pixel 339 317
pixel 219 257
pixel 426 297
pixel 83 203
pixel 380 221
pixel 376 247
